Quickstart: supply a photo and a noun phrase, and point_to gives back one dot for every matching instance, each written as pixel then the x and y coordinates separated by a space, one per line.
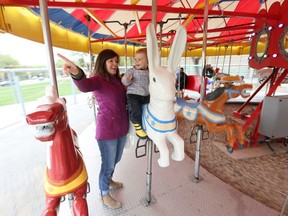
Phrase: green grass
pixel 33 91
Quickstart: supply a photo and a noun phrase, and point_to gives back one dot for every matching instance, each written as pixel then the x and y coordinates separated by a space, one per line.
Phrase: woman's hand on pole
pixel 69 68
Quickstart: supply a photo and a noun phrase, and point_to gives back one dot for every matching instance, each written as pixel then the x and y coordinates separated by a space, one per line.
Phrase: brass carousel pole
pixel 48 43
pixel 149 198
pixel 196 178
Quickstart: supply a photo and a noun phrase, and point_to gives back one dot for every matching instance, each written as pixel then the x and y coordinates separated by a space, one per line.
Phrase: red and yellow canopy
pixel 112 22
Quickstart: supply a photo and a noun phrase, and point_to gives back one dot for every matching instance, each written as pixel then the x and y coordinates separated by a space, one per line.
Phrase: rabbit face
pixel 162 81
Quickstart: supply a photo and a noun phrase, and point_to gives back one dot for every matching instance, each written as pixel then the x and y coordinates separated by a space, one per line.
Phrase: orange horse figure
pixel 65 171
pixel 210 112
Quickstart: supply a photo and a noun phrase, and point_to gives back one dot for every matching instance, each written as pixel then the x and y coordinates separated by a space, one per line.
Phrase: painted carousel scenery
pixel 214 122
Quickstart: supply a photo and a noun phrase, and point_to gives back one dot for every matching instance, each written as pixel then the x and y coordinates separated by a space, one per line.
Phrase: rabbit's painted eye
pixel 154 80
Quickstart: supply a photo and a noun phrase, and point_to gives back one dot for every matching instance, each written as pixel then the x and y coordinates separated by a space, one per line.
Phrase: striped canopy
pixel 114 23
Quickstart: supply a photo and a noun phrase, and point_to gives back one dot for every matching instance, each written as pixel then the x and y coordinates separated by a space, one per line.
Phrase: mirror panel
pixel 262 44
pixel 283 44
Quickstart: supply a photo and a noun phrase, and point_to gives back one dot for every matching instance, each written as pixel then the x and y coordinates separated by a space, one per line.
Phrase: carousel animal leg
pixel 229 129
pixel 240 135
pixel 80 207
pixel 163 160
pixel 178 144
pixel 52 204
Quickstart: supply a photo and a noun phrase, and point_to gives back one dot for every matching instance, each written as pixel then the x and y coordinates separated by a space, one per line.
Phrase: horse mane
pixel 215 94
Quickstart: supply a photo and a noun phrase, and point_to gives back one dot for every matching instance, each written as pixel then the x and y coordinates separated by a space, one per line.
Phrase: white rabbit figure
pixel 158 116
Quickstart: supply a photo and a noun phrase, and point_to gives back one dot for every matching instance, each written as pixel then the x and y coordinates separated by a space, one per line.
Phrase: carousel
pixel 223 153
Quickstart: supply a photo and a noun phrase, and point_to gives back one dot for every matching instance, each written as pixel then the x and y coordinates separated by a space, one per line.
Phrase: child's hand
pixel 128 77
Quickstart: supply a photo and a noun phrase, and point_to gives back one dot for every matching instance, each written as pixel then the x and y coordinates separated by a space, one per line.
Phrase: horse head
pixel 242 90
pixel 50 116
pixel 159 116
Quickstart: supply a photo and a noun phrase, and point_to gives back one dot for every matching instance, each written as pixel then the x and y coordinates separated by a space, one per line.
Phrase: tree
pixel 8 61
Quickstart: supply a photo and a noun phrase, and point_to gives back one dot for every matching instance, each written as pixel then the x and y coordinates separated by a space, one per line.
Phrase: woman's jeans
pixel 111 153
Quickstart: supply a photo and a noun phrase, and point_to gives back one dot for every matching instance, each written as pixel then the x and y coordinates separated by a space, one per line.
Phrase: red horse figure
pixel 210 112
pixel 65 171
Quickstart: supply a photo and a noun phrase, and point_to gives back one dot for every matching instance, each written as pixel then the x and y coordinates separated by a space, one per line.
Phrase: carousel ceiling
pixel 113 23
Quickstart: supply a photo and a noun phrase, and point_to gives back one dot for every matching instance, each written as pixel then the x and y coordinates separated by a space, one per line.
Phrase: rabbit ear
pixel 177 48
pixel 152 47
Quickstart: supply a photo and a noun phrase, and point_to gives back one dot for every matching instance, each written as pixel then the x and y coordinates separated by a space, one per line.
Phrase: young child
pixel 137 81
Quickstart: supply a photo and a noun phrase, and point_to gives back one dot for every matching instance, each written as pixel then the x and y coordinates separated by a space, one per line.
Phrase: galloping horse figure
pixel 210 112
pixel 158 116
pixel 65 171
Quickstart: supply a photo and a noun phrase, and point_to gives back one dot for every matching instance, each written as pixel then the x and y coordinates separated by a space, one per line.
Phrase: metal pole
pixel 160 43
pixel 205 27
pixel 17 90
pixel 19 94
pixel 196 177
pixel 185 59
pixel 284 206
pixel 148 199
pixel 240 61
pixel 224 58
pixel 73 91
pixel 230 58
pixel 48 43
pixel 89 42
pixel 217 57
pixel 125 43
pixel 154 13
pixel 154 20
pixel 149 172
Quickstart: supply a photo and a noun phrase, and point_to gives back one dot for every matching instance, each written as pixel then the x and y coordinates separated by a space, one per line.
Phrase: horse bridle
pixel 231 91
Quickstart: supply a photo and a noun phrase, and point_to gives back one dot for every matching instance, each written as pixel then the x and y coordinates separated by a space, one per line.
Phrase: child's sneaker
pixel 139 132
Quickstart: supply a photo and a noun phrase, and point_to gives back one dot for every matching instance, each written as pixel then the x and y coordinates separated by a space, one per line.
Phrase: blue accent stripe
pixel 182 102
pixel 147 115
pixel 161 131
pixel 231 91
pixel 157 120
pixel 215 117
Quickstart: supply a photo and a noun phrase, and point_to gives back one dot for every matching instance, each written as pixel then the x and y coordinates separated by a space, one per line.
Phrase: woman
pixel 112 118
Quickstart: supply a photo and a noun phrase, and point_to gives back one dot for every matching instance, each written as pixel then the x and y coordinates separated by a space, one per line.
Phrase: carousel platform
pixel 172 190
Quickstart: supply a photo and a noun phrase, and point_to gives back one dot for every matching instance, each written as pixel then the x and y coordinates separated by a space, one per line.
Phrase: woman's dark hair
pixel 100 65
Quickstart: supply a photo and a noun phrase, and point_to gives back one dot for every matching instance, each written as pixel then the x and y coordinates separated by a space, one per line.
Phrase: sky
pixel 28 53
